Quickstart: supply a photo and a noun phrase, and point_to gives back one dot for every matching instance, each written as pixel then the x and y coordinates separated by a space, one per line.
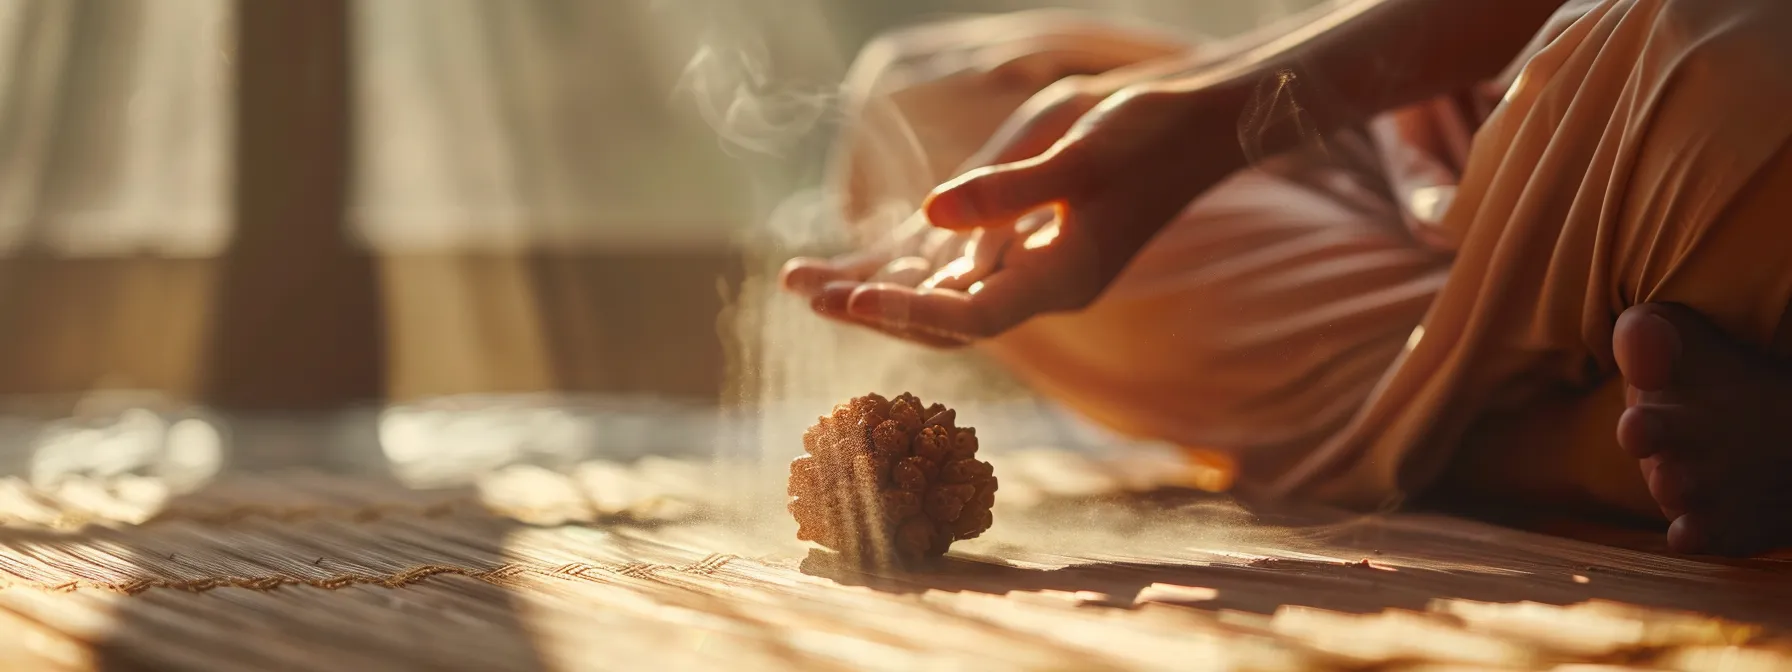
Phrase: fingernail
pixel 939 210
pixel 832 298
pixel 865 304
pixel 945 208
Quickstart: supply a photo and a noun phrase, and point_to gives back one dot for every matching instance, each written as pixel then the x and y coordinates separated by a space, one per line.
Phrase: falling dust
pixel 765 78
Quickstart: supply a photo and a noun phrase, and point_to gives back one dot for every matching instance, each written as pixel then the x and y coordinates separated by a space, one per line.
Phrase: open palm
pixel 1047 233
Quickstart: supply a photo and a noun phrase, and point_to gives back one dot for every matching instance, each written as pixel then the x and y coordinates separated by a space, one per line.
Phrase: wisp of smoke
pixel 786 366
pixel 732 82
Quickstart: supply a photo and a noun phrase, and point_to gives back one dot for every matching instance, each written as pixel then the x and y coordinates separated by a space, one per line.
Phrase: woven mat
pixel 662 564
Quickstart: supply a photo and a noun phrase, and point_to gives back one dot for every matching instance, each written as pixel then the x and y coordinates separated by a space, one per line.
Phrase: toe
pixel 1648 429
pixel 1704 419
pixel 1689 534
pixel 1706 534
pixel 1646 345
pixel 1664 345
pixel 1641 432
pixel 1673 485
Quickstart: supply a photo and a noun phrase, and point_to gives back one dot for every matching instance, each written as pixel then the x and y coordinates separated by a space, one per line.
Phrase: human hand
pixel 896 244
pixel 1051 231
pixel 915 254
pixel 920 102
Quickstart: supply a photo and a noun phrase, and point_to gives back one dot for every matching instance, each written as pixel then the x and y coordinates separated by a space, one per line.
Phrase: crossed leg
pixel 1622 215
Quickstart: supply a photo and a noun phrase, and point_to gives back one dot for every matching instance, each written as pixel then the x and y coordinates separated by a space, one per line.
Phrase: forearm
pixel 1351 59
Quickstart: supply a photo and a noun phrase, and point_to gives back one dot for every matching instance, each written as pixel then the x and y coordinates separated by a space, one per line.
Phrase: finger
pixel 830 303
pixel 984 253
pixel 805 276
pixel 1032 222
pixel 830 300
pixel 956 275
pixel 906 271
pixel 941 246
pixel 1004 193
pixel 981 256
pixel 937 314
pixel 999 304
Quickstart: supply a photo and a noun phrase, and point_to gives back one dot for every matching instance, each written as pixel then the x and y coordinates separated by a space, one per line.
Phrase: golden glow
pixel 1169 592
pixel 1045 235
pixel 1429 203
pixel 1517 84
pixel 957 268
pixel 435 445
pixel 1418 334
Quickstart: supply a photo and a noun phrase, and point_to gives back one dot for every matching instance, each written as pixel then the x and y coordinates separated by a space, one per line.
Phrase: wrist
pixel 1203 124
pixel 1258 110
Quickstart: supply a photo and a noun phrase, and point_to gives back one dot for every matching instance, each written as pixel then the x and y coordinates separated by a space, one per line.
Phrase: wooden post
pixel 298 325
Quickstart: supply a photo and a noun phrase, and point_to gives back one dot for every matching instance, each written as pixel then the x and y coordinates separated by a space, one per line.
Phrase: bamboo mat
pixel 688 564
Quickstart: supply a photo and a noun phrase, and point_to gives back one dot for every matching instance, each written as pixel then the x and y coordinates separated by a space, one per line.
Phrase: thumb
pixel 1003 193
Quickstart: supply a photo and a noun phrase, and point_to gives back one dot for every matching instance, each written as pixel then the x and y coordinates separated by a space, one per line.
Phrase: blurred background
pixel 295 205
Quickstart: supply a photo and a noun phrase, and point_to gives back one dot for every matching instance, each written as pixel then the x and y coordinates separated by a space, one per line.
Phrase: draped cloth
pixel 115 128
pixel 1338 328
pixel 1639 157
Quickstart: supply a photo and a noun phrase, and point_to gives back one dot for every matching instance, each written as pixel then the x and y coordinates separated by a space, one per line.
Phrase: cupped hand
pixel 918 255
pixel 1054 229
pixel 919 102
pixel 933 122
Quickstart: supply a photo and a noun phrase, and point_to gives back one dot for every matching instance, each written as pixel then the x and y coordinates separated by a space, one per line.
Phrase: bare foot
pixel 1708 420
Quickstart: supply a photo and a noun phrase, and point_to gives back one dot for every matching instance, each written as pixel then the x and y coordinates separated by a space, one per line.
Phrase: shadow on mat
pixel 1389 562
pixel 275 592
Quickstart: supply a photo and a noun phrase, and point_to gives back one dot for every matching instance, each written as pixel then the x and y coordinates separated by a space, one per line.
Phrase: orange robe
pixel 1339 323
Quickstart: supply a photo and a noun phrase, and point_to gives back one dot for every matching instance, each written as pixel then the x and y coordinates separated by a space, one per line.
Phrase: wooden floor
pixel 668 564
